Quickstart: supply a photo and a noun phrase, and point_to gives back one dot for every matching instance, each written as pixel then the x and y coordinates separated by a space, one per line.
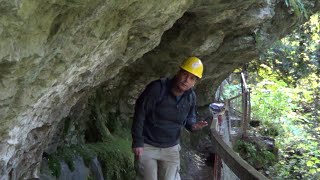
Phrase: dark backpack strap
pixel 191 100
pixel 163 92
pixel 163 89
pixel 192 96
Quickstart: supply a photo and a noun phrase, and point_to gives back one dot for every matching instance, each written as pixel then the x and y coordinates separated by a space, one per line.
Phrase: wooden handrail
pixel 240 167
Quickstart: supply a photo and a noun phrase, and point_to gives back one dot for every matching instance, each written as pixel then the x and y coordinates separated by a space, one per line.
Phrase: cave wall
pixel 55 53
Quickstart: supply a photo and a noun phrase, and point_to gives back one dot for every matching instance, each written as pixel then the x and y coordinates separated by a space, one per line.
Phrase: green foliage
pixel 252 154
pixel 116 158
pixel 282 112
pixel 113 122
pixel 270 129
pixel 285 98
pixel 231 90
pixel 295 56
pixel 113 147
pixel 300 160
pixel 54 164
pixel 270 101
pixel 107 120
pixel 68 154
pixel 114 155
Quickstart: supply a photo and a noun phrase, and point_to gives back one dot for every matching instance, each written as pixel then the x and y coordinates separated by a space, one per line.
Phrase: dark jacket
pixel 158 120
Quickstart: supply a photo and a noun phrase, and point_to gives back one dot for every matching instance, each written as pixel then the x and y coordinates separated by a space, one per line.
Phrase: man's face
pixel 185 80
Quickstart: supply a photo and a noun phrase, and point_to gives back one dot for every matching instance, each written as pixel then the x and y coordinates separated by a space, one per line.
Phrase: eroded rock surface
pixel 55 53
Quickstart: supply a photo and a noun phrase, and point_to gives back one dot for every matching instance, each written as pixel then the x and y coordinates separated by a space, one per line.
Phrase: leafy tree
pixel 285 94
pixel 296 56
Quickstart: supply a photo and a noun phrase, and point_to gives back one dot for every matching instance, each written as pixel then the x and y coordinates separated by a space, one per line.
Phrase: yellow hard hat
pixel 193 65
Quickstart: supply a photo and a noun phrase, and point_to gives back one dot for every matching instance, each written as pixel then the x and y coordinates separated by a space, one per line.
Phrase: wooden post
pixel 244 106
pixel 249 105
pixel 227 114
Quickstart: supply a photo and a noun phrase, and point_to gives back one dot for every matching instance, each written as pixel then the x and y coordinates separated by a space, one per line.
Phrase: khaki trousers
pixel 158 163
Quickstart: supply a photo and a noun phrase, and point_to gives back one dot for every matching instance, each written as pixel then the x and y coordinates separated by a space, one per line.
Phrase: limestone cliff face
pixel 55 52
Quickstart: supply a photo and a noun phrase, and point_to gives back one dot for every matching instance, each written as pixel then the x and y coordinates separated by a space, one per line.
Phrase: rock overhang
pixel 53 53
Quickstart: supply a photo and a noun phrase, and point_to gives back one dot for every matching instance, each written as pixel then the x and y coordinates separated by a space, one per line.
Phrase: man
pixel 161 111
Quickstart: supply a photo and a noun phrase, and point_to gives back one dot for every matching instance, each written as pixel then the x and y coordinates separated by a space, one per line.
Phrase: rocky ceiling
pixel 55 52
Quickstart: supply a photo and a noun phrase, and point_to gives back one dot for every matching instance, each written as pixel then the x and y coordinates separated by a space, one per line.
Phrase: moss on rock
pixel 114 155
pixel 116 158
pixel 68 154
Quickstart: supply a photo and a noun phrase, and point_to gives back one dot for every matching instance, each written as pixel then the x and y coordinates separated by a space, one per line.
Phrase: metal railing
pixel 224 128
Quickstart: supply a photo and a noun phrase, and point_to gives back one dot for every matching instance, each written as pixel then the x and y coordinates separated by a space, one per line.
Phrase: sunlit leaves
pixel 286 95
pixel 274 102
pixel 298 55
pixel 270 101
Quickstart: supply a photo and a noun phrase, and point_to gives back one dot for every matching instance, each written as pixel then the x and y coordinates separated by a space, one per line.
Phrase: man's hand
pixel 137 151
pixel 199 125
